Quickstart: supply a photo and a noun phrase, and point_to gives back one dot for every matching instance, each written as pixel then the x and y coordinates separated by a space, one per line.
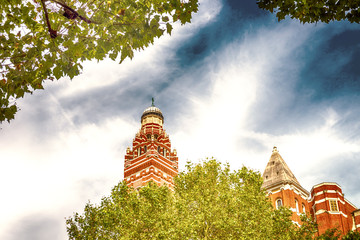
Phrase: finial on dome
pixel 274 149
pixel 152 102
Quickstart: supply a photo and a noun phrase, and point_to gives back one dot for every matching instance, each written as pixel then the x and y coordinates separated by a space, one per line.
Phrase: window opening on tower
pixel 278 203
pixel 297 205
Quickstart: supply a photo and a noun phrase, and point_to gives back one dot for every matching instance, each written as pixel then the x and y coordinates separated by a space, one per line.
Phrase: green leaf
pixel 169 28
pixel 57 72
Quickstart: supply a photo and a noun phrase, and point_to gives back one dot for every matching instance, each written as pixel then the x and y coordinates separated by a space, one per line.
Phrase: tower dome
pixel 152 111
pixel 152 114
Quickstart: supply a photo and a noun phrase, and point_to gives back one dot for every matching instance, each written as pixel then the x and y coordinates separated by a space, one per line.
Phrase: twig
pixel 98 8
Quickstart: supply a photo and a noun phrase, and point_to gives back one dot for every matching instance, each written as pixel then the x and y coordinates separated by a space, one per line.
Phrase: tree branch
pixel 53 33
pixel 74 12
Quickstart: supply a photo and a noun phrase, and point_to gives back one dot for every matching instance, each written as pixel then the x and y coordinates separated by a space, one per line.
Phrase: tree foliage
pixel 352 235
pixel 49 39
pixel 208 202
pixel 126 214
pixel 309 11
pixel 336 234
pixel 330 234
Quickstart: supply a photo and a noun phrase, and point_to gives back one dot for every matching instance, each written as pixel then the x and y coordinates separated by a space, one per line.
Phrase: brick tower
pixel 151 158
pixel 331 210
pixel 326 204
pixel 283 187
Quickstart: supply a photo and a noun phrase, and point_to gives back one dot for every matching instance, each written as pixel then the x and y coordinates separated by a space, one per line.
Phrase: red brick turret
pixel 331 210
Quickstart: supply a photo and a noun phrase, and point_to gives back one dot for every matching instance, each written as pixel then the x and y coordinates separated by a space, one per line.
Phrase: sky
pixel 231 85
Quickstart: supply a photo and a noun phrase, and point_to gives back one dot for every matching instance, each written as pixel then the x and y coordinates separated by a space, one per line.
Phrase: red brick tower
pixel 283 188
pixel 331 210
pixel 151 158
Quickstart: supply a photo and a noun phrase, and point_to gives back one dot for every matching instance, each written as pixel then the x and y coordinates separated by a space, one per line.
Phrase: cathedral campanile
pixel 151 157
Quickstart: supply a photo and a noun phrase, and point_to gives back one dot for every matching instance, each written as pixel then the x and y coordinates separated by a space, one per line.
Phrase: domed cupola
pixel 152 114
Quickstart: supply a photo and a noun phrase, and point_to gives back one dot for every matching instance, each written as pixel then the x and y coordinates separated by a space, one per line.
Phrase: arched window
pixel 158 149
pixel 145 149
pixel 278 203
pixel 303 208
pixel 297 205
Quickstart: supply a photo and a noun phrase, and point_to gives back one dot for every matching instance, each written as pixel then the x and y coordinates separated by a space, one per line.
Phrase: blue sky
pixel 231 85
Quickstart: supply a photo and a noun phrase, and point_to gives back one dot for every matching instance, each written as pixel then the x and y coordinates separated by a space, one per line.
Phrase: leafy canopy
pixel 49 39
pixel 309 11
pixel 208 202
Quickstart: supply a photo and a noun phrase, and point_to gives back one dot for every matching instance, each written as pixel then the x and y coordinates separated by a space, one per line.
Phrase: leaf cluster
pixel 208 202
pixel 310 11
pixel 48 39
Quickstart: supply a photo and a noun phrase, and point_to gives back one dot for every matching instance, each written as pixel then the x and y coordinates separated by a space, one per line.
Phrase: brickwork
pixel 288 197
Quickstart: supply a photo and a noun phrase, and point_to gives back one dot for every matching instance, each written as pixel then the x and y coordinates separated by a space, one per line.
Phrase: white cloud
pixel 239 72
pixel 59 174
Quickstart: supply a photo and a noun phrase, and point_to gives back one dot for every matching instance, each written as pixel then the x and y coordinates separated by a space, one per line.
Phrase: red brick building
pixel 151 157
pixel 325 202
